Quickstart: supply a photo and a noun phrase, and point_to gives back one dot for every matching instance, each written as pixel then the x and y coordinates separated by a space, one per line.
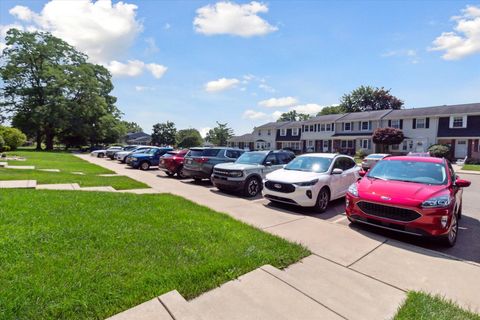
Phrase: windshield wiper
pixel 377 178
pixel 408 181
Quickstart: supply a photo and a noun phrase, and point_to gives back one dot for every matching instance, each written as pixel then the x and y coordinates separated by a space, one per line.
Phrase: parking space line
pixel 340 219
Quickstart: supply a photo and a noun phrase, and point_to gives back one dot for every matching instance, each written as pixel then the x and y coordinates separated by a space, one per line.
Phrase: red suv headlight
pixel 438 202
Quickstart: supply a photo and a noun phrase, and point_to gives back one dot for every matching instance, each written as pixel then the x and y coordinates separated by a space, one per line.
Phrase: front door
pixel 461 149
pixel 325 146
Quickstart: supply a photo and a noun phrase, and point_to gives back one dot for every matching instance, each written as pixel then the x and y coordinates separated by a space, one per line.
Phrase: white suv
pixel 312 180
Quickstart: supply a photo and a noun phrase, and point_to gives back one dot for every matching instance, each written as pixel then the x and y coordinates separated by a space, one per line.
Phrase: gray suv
pixel 247 173
pixel 199 162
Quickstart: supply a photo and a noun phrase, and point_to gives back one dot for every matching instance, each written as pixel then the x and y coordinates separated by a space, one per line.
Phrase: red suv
pixel 414 195
pixel 172 163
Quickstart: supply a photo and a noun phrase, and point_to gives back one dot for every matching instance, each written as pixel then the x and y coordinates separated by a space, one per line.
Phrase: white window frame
pixel 345 126
pixel 306 128
pixel 310 143
pixel 424 124
pixel 325 144
pixel 452 122
pixel 295 132
pixel 323 127
pixel 259 132
pixel 328 127
pixel 395 124
pixel 364 144
pixel 283 132
pixel 269 132
pixel 368 126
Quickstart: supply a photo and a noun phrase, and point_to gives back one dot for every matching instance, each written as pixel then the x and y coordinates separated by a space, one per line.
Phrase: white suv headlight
pixel 306 183
pixel 437 202
pixel 353 189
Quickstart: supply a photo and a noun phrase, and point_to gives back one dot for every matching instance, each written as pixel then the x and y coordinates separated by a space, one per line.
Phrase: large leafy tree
pixel 387 137
pixel 335 109
pixel 164 134
pixel 367 98
pixel 52 94
pixel 293 115
pixel 132 127
pixel 220 134
pixel 188 138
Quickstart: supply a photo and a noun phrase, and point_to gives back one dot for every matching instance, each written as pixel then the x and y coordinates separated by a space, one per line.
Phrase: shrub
pixel 6 148
pixel 2 143
pixel 439 151
pixel 472 161
pixel 4 155
pixel 13 137
pixel 360 154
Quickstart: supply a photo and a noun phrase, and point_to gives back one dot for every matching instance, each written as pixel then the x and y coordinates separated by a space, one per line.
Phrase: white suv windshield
pixel 251 158
pixel 410 171
pixel 311 164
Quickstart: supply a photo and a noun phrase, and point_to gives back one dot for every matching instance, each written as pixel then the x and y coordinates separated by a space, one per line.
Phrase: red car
pixel 172 163
pixel 414 195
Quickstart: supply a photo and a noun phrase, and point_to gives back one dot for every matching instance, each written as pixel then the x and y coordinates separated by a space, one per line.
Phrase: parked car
pixel 147 159
pixel 100 153
pixel 112 150
pixel 122 155
pixel 414 195
pixel 199 162
pixel 372 159
pixel 172 163
pixel 419 154
pixel 248 171
pixel 312 180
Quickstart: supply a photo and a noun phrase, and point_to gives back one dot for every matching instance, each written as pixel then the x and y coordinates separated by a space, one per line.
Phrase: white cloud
pixel 22 13
pixel 134 68
pixel 276 115
pixel 167 26
pixel 151 46
pixel 204 131
pixel 266 88
pixel 309 108
pixel 255 115
pixel 410 54
pixel 234 19
pixel 464 40
pixel 278 102
pixel 221 84
pixel 157 70
pixel 144 88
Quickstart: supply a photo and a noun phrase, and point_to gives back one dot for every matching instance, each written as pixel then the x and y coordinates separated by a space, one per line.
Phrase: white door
pixel 461 149
pixel 325 145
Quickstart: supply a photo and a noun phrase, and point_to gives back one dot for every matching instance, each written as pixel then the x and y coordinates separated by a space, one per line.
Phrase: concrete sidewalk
pixel 351 275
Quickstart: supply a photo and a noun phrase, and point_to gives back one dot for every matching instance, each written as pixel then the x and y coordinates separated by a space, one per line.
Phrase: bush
pixel 3 155
pixel 360 154
pixel 13 137
pixel 472 161
pixel 2 143
pixel 6 148
pixel 439 151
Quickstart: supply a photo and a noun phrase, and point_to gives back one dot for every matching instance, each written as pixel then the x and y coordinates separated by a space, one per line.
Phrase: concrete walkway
pixel 352 274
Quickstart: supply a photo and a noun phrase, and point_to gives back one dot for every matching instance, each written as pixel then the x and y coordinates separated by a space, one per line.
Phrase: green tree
pixel 335 109
pixel 132 127
pixel 367 98
pixel 12 137
pixel 220 134
pixel 293 116
pixel 164 134
pixel 188 138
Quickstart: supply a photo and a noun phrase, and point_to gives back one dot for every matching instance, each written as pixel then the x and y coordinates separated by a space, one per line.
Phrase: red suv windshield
pixel 410 171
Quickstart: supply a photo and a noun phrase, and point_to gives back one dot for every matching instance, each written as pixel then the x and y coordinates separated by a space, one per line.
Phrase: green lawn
pixel 474 167
pixel 67 163
pixel 79 255
pixel 422 306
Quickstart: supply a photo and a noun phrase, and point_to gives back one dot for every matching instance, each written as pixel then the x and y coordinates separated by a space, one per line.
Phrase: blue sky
pixel 289 54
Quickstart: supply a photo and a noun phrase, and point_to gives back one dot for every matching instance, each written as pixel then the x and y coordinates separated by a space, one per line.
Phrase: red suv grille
pixel 388 212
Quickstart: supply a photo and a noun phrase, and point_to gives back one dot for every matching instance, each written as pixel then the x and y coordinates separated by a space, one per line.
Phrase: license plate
pixel 189 161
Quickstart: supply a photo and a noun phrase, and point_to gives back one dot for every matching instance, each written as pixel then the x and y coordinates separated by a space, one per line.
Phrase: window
pixel 283 132
pixel 295 132
pixel 365 125
pixel 325 144
pixel 395 124
pixel 395 146
pixel 329 127
pixel 310 143
pixel 421 123
pixel 259 132
pixel 311 128
pixel 364 144
pixel 458 122
pixel 284 158
pixel 234 154
pixel 322 127
pixel 272 159
pixel 269 132
pixel 210 152
pixel 347 126
pixel 306 129
pixel 348 163
pixel 348 144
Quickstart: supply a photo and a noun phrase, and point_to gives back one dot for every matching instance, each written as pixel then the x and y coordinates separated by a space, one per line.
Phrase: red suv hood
pixel 397 192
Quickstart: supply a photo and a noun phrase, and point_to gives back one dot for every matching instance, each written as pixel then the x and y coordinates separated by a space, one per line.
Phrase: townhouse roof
pixel 444 110
pixel 366 115
pixel 325 118
pixel 242 138
pixel 275 124
pixel 291 124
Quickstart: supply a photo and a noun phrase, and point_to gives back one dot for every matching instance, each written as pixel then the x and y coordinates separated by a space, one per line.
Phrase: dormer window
pixel 283 132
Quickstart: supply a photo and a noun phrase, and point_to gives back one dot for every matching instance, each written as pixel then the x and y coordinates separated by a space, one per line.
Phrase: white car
pixel 98 153
pixel 122 155
pixel 312 180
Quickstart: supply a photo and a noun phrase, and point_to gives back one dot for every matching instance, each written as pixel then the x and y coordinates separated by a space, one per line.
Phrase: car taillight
pixel 201 160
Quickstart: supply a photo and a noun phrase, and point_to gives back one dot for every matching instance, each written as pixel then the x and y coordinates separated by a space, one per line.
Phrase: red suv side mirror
pixel 362 173
pixel 462 183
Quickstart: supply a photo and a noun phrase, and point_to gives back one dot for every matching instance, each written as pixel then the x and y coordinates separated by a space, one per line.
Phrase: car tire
pixel 170 174
pixel 451 238
pixel 252 187
pixel 323 199
pixel 180 174
pixel 101 155
pixel 144 165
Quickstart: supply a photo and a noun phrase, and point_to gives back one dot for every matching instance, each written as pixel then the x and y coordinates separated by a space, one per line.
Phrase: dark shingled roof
pixel 435 111
pixel 272 125
pixel 244 137
pixel 368 115
pixel 325 118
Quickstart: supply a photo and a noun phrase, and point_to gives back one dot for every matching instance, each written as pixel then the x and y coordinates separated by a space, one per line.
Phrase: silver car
pixel 371 160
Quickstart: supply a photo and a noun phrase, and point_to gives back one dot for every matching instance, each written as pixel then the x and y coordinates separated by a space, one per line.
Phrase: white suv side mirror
pixel 337 171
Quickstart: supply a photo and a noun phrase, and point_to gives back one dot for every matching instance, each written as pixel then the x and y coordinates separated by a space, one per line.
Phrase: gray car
pixel 247 173
pixel 199 162
pixel 371 160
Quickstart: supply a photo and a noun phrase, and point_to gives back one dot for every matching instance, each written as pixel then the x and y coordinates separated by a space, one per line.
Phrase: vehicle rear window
pixel 210 152
pixel 233 153
pixel 195 152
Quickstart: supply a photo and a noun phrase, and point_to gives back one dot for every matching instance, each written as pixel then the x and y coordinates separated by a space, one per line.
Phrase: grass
pixel 67 163
pixel 87 255
pixel 473 167
pixel 423 306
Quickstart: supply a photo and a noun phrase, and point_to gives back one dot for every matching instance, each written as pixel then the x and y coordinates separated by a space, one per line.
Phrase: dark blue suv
pixel 150 158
